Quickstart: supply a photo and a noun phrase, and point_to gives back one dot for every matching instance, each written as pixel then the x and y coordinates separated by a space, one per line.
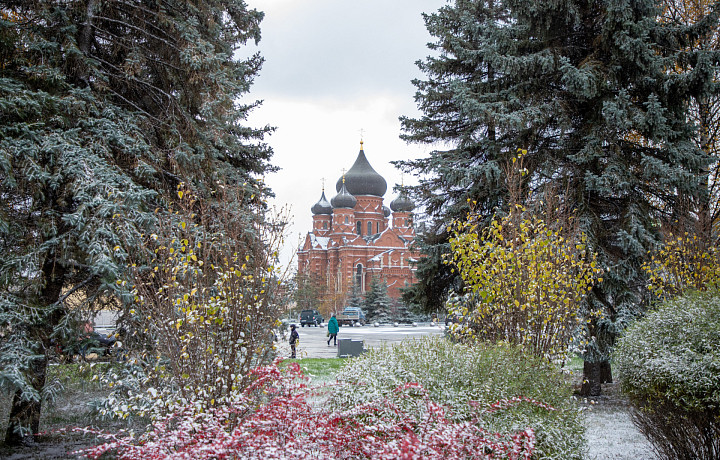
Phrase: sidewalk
pixel 313 340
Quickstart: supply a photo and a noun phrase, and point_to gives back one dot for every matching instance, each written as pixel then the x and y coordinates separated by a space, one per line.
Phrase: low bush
pixel 465 379
pixel 272 418
pixel 669 366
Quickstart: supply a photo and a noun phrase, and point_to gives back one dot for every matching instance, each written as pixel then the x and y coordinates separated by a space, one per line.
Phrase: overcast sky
pixel 332 68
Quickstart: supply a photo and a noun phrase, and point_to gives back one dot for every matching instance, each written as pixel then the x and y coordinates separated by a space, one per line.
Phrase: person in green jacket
pixel 333 329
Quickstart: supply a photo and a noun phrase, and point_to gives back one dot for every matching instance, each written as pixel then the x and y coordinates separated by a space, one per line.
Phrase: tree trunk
pixel 704 211
pixel 26 408
pixel 605 372
pixel 25 414
pixel 591 379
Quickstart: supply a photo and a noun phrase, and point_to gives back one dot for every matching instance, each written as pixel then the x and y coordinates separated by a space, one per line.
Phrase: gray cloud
pixel 340 48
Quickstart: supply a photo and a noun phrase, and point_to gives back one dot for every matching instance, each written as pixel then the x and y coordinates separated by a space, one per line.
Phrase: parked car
pixel 310 318
pixel 351 316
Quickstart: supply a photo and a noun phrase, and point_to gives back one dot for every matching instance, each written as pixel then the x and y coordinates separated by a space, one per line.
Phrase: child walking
pixel 294 338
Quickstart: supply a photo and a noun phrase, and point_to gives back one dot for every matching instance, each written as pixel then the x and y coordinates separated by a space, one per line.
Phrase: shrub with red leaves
pixel 273 419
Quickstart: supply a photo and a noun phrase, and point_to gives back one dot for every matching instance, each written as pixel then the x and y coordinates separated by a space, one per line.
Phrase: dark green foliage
pixel 585 87
pixel 105 108
pixel 356 298
pixel 669 365
pixel 435 280
pixel 383 315
pixel 377 303
pixel 402 313
pixel 380 307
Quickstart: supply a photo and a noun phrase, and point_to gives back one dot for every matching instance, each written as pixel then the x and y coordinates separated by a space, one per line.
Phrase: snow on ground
pixel 610 432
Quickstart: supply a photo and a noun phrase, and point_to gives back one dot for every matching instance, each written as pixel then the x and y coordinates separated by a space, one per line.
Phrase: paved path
pixel 313 340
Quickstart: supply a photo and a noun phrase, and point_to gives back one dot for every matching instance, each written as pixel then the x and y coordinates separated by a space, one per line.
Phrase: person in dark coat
pixel 294 339
pixel 333 329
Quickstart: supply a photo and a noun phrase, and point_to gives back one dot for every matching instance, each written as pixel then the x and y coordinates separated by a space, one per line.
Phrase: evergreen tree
pixel 586 88
pixel 383 314
pixel 377 302
pixel 106 108
pixel 704 110
pixel 403 312
pixel 309 290
pixel 370 300
pixel 435 279
pixel 356 298
pixel 469 169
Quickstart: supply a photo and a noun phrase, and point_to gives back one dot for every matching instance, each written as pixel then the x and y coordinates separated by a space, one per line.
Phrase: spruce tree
pixel 356 298
pixel 403 313
pixel 370 300
pixel 704 111
pixel 377 301
pixel 588 89
pixel 106 108
pixel 468 168
pixel 383 313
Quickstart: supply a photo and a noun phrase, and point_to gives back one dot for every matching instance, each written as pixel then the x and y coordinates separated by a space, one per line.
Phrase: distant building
pixel 355 238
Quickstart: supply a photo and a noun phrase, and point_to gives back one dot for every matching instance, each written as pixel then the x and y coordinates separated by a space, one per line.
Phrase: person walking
pixel 294 339
pixel 333 329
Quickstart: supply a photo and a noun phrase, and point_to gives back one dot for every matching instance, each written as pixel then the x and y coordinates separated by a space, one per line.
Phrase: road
pixel 313 340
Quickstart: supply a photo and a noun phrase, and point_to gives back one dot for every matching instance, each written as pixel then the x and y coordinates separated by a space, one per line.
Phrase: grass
pixel 320 368
pixel 77 376
pixel 574 364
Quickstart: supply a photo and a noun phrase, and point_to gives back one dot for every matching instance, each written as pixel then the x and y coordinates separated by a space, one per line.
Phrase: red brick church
pixel 356 238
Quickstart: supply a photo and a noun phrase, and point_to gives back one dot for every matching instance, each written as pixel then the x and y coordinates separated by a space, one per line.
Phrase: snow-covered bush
pixel 669 365
pixel 272 419
pixel 464 378
pixel 203 309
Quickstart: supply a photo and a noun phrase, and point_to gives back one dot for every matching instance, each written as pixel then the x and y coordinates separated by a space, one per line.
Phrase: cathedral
pixel 356 238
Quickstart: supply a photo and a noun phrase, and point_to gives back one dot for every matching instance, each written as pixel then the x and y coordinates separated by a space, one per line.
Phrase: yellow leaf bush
pixel 525 282
pixel 683 264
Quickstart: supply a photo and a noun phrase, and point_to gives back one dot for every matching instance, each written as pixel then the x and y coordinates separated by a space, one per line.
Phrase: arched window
pixel 359 277
pixel 369 228
pixel 346 219
pixel 324 225
pixel 359 228
pixel 377 227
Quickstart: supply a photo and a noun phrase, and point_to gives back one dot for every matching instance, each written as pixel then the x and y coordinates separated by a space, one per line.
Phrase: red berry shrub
pixel 273 418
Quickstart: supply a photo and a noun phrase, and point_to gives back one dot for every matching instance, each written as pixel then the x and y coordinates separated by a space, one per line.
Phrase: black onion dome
pixel 386 211
pixel 362 179
pixel 343 199
pixel 323 206
pixel 402 204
